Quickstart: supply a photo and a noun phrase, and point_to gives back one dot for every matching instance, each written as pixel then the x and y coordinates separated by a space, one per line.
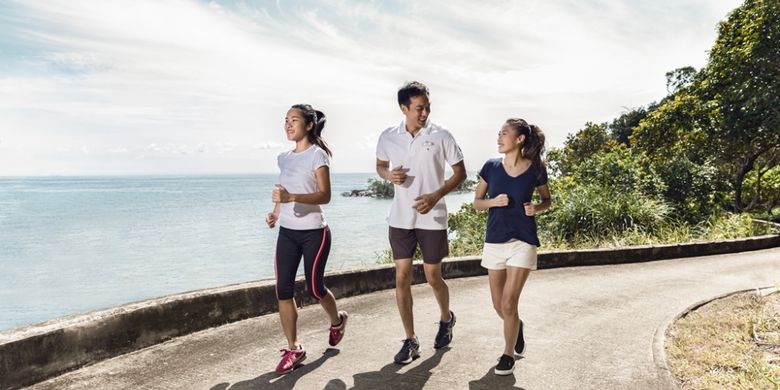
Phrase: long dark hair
pixel 310 115
pixel 533 146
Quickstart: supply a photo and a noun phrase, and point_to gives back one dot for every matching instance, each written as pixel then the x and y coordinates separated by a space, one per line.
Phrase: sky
pixel 180 87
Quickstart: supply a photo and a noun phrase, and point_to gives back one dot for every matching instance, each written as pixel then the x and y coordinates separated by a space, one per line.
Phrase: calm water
pixel 77 244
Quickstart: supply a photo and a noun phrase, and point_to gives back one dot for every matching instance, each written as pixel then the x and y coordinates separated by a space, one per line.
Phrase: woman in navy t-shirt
pixel 509 253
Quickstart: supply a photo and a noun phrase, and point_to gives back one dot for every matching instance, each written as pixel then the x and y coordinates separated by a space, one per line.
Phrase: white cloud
pixel 225 147
pixel 185 78
pixel 267 145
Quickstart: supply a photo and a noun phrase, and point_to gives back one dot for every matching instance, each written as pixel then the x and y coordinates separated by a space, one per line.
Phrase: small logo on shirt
pixel 428 145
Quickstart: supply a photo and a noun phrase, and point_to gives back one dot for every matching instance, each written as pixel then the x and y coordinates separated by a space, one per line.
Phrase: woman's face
pixel 295 126
pixel 508 140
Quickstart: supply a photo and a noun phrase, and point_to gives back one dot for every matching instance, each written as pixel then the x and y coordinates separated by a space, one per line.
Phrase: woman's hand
pixel 500 200
pixel 280 195
pixel 530 209
pixel 271 219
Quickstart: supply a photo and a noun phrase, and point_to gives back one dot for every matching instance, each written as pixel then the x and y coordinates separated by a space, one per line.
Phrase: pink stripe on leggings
pixel 276 279
pixel 317 260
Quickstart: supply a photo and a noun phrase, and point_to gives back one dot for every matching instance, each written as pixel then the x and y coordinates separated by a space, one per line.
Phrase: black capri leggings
pixel 314 246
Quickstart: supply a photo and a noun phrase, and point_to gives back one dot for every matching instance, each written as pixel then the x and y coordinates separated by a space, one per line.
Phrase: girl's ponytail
pixel 533 146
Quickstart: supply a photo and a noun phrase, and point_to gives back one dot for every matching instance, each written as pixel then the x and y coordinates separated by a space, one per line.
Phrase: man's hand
pixel 424 203
pixel 398 175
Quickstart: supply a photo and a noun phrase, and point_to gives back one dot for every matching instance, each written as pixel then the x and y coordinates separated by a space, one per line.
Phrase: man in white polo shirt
pixel 418 150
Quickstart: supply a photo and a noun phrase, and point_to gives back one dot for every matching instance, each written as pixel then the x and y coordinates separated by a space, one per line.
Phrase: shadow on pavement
pixel 272 380
pixel 491 381
pixel 388 376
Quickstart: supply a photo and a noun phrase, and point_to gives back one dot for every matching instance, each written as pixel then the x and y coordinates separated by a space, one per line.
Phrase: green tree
pixel 680 78
pixel 381 187
pixel 620 170
pixel 579 147
pixel 742 81
pixel 621 128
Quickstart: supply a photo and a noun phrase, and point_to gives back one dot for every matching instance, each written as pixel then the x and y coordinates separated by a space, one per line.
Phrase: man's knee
pixel 435 280
pixel 403 277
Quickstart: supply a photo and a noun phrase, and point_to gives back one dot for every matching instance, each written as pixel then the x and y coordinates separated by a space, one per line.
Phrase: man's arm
pixel 426 202
pixel 396 176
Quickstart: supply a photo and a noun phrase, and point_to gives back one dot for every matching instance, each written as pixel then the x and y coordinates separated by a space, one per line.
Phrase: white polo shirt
pixel 298 177
pixel 423 157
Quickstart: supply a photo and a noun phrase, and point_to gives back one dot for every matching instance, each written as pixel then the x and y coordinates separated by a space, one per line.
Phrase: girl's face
pixel 295 126
pixel 508 140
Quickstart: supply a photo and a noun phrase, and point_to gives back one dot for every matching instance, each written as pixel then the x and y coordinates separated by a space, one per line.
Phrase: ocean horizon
pixel 75 244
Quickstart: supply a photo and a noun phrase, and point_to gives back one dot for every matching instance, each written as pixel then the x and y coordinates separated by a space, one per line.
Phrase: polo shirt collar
pixel 425 130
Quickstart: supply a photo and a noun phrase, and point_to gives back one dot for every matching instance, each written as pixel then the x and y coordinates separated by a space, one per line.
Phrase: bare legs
pixel 403 292
pixel 505 288
pixel 440 289
pixel 288 313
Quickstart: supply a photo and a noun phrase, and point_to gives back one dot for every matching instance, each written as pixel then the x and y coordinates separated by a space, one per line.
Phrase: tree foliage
pixel 712 144
pixel 727 115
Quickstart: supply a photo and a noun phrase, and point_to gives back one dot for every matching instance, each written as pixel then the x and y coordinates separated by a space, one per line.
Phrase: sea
pixel 72 245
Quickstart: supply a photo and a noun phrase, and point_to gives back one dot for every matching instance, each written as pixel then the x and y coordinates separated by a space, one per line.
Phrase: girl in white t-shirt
pixel 304 184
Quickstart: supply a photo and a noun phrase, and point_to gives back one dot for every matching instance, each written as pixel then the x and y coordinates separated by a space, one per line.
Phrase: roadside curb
pixel 40 351
pixel 659 338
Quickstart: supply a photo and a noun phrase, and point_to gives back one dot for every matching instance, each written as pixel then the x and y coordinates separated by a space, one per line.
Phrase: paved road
pixel 586 328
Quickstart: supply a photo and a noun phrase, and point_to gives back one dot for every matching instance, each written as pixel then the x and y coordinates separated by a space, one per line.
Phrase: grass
pixel 467 234
pixel 730 343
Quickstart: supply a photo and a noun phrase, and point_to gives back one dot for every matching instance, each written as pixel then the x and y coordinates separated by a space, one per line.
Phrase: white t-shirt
pixel 423 157
pixel 297 176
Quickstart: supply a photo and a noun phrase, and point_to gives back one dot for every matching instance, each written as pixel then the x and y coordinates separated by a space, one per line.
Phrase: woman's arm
pixel 272 217
pixel 544 193
pixel 321 196
pixel 480 203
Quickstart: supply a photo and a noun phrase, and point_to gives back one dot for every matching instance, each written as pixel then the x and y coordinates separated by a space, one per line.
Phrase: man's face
pixel 417 112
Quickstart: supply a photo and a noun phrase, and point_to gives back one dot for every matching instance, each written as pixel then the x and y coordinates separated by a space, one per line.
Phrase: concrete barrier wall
pixel 34 353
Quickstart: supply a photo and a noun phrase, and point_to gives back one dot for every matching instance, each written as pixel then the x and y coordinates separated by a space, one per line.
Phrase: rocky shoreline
pixel 367 192
pixel 363 193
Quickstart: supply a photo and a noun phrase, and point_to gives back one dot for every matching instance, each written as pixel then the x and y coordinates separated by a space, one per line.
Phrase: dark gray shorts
pixel 433 244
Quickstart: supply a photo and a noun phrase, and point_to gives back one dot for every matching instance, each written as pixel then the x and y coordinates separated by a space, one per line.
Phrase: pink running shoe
pixel 291 358
pixel 337 332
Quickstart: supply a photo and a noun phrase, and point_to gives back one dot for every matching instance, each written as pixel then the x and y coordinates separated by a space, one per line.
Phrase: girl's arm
pixel 480 203
pixel 544 193
pixel 272 217
pixel 321 196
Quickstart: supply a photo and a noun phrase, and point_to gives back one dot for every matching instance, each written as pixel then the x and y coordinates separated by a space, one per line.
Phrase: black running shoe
pixel 520 343
pixel 408 352
pixel 444 336
pixel 506 365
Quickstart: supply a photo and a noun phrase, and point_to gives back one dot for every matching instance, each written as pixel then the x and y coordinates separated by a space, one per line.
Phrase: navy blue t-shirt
pixel 510 222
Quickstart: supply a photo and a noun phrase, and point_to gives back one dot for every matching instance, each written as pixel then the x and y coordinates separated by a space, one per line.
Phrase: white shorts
pixel 514 253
